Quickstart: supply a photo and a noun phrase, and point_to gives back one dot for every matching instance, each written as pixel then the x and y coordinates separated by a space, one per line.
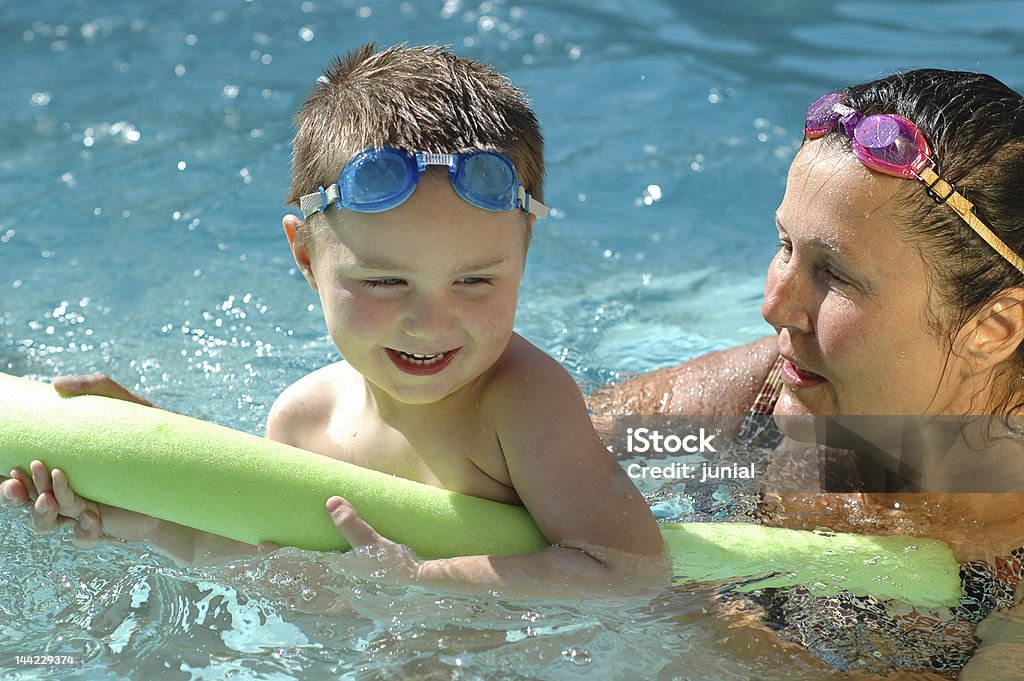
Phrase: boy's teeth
pixel 414 358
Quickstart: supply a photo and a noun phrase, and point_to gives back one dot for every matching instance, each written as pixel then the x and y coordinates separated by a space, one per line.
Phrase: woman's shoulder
pixel 721 383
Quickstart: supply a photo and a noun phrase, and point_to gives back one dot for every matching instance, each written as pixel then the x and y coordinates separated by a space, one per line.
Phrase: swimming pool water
pixel 142 172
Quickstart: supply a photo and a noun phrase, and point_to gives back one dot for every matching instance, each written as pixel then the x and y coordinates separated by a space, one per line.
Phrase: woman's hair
pixel 975 127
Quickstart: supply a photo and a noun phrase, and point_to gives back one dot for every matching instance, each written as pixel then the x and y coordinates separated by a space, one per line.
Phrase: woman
pixel 899 328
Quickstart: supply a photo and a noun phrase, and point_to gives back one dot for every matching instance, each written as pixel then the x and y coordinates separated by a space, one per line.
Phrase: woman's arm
pixel 722 383
pixel 1001 654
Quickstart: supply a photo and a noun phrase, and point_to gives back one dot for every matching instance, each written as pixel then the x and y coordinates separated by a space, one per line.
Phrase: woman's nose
pixel 788 297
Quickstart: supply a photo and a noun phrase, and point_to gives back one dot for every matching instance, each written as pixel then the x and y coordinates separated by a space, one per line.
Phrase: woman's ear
pixel 300 251
pixel 997 330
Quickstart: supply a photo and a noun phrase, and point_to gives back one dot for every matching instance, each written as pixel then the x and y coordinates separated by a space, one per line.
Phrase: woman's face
pixel 850 300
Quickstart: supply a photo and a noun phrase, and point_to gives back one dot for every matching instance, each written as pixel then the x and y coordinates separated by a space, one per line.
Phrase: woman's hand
pixel 96 384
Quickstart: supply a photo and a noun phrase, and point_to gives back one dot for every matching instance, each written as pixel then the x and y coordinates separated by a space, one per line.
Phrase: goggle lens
pixel 487 181
pixel 374 180
pixel 822 116
pixel 890 144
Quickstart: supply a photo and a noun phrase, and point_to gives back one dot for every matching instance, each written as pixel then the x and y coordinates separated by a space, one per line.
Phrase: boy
pixel 417 256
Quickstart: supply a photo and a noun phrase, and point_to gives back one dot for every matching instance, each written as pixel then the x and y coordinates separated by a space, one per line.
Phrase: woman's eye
pixel 836 276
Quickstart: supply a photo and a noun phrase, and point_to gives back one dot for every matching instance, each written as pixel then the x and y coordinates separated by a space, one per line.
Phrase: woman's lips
pixel 419 364
pixel 795 377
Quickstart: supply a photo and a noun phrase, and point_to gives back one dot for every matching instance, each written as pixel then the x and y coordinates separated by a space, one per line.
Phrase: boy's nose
pixel 429 317
pixel 787 295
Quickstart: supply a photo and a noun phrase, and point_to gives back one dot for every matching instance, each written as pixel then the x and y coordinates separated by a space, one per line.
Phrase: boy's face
pixel 420 299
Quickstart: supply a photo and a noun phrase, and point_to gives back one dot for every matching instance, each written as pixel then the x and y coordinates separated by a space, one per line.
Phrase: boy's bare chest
pixel 457 454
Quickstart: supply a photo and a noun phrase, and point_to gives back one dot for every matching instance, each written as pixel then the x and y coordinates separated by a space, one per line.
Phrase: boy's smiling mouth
pixel 421 359
pixel 421 364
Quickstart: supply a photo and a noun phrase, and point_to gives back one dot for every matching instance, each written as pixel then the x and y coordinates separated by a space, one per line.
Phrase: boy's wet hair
pixel 415 98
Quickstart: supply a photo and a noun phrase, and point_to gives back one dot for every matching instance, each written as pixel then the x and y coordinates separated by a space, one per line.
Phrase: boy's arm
pixel 575 490
pixel 604 538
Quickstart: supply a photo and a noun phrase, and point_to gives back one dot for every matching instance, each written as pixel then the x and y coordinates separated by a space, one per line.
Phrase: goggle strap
pixel 426 158
pixel 938 188
pixel 944 192
pixel 317 202
pixel 531 205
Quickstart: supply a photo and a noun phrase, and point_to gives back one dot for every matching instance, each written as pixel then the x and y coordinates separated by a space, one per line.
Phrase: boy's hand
pixel 54 504
pixel 378 549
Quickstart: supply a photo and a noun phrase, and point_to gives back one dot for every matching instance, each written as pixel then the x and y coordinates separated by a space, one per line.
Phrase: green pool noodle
pixel 251 489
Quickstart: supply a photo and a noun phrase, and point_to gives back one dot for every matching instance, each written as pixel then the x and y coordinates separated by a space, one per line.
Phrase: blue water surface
pixel 143 168
pixel 146 159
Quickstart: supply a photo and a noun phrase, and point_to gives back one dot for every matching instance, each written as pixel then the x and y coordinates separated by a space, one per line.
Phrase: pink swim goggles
pixel 893 145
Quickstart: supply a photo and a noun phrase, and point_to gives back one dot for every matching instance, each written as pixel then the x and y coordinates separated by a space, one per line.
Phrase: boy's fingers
pixel 355 530
pixel 40 477
pixel 13 493
pixel 87 531
pixel 26 482
pixel 70 505
pixel 44 513
pixel 96 384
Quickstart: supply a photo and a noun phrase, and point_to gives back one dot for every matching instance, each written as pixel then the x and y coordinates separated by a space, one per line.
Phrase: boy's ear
pixel 997 330
pixel 300 251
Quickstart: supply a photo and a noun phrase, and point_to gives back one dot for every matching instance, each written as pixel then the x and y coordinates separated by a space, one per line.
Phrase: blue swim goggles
pixel 376 180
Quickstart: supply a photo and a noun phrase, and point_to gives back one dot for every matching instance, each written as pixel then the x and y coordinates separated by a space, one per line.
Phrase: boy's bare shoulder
pixel 306 405
pixel 525 371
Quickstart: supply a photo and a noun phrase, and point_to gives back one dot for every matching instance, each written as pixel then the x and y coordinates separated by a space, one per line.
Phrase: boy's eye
pixel 471 281
pixel 377 283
